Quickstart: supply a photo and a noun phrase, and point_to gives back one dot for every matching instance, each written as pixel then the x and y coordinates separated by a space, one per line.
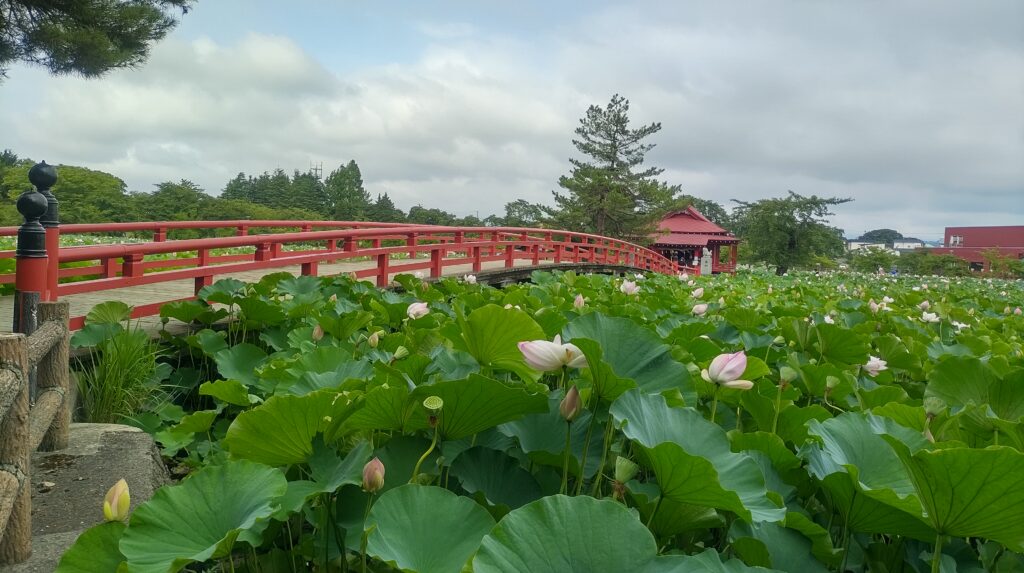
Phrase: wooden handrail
pixel 23 428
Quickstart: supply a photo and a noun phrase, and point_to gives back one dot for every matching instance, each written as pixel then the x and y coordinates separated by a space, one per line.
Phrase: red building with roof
pixel 683 235
pixel 970 243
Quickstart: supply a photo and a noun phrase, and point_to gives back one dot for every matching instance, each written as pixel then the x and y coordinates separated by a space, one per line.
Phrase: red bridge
pixel 148 274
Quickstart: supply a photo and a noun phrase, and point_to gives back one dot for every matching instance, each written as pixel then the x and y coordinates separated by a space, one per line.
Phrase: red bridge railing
pixel 429 249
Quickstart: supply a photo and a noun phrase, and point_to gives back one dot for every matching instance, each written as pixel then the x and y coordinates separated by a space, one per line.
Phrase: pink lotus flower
pixel 578 302
pixel 549 356
pixel 629 288
pixel 318 333
pixel 1017 311
pixel 929 317
pixel 470 279
pixel 874 306
pixel 726 370
pixel 698 292
pixel 684 277
pixel 700 309
pixel 925 305
pixel 373 476
pixel 829 320
pixel 417 310
pixel 875 365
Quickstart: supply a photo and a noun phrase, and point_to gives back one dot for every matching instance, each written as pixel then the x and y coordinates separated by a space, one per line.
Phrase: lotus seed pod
pixel 625 469
pixel 401 352
pixel 787 374
pixel 934 406
pixel 831 382
pixel 433 404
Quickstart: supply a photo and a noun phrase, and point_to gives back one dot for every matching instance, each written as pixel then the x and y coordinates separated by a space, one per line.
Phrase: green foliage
pixel 788 231
pixel 870 259
pixel 838 468
pixel 86 37
pixel 610 192
pixel 884 236
pixel 344 188
pixel 121 372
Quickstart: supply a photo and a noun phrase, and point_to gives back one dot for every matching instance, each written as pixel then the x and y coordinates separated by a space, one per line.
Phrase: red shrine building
pixel 683 235
pixel 969 243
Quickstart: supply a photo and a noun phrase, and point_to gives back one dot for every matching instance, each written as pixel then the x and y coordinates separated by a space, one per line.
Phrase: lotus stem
pixel 419 462
pixel 714 403
pixel 586 445
pixel 362 545
pixel 565 457
pixel 657 506
pixel 937 554
pixel 778 408
pixel 609 429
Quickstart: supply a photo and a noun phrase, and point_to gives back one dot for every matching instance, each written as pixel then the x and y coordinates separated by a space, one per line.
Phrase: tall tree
pixel 344 186
pixel 610 192
pixel 420 215
pixel 887 236
pixel 87 37
pixel 240 188
pixel 307 192
pixel 522 213
pixel 85 195
pixel 788 231
pixel 171 201
pixel 383 210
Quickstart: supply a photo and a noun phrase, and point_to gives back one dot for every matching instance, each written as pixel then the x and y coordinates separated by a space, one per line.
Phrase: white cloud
pixel 913 111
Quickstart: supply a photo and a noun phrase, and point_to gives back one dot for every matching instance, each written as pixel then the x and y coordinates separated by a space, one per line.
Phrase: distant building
pixel 683 235
pixel 857 245
pixel 908 244
pixel 970 243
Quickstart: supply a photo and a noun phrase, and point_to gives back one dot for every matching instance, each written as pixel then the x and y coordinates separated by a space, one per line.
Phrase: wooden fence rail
pixel 26 425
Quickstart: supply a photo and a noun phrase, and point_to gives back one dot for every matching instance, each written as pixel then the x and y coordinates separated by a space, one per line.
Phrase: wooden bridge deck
pixel 81 304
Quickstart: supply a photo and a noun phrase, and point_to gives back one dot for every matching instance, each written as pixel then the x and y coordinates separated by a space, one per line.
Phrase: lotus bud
pixel 1017 311
pixel 831 382
pixel 374 339
pixel 116 502
pixel 933 406
pixel 333 299
pixel 721 301
pixel 470 279
pixel 318 333
pixel 925 305
pixel 1006 310
pixel 625 469
pixel 700 309
pixel 569 408
pixel 373 476
pixel 401 352
pixel 697 292
pixel 578 302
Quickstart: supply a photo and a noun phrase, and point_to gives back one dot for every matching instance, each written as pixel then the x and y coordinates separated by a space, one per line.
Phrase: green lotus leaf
pixel 557 534
pixel 634 353
pixel 200 518
pixel 542 437
pixel 497 476
pixel 970 492
pixel 492 334
pixel 773 545
pixel 838 344
pixel 707 562
pixel 868 483
pixel 224 291
pixel 254 310
pixel 227 391
pixel 963 381
pixel 280 431
pixel 692 457
pixel 389 407
pixel 606 383
pixel 425 529
pixel 478 403
pixel 95 550
pixel 240 362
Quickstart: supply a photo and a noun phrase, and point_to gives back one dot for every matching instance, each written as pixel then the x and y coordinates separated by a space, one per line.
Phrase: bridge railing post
pixel 32 268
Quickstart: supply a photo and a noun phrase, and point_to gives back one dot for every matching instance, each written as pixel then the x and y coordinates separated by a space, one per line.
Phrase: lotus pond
pixel 583 423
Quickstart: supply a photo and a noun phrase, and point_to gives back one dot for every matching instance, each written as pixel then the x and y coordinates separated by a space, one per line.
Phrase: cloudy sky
pixel 914 109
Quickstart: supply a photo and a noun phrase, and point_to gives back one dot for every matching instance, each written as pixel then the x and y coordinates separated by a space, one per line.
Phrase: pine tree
pixel 240 188
pixel 383 210
pixel 349 200
pixel 87 37
pixel 610 192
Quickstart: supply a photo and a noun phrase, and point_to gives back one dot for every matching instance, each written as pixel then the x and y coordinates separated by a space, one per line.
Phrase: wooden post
pixel 310 269
pixel 410 241
pixel 436 262
pixel 382 269
pixel 160 234
pixel 16 540
pixel 52 375
pixel 477 263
